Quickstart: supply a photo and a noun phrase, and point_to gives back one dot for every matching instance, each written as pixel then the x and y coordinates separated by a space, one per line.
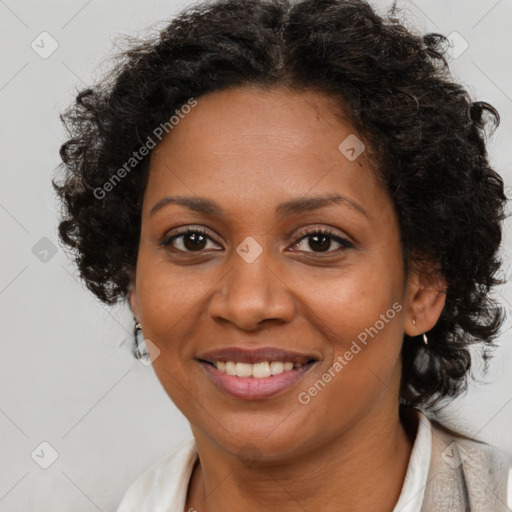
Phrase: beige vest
pixel 465 475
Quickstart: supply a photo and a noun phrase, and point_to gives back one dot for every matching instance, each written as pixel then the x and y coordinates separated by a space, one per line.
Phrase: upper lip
pixel 257 355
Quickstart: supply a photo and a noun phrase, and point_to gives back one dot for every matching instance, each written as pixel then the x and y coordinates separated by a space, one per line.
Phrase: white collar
pixel 164 485
pixel 413 488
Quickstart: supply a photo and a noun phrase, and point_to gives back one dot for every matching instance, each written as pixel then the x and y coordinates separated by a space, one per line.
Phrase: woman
pixel 296 202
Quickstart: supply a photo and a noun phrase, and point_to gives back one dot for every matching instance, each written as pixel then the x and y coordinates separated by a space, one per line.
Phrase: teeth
pixel 260 370
pixel 243 370
pixel 230 368
pixel 256 370
pixel 276 367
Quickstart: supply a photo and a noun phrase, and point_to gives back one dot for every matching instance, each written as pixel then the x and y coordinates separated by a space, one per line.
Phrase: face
pixel 266 272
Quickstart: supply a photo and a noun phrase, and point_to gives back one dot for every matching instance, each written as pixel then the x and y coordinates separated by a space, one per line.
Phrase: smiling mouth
pixel 259 370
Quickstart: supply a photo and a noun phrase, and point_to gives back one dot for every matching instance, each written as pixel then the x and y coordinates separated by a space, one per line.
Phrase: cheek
pixel 359 314
pixel 352 300
pixel 362 326
pixel 172 305
pixel 171 298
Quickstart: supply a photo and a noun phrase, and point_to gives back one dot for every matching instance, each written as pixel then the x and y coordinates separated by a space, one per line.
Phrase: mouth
pixel 256 374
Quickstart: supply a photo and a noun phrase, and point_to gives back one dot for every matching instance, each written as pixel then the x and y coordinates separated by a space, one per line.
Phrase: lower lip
pixel 251 388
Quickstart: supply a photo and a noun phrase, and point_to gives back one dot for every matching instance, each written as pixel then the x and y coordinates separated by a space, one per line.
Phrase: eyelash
pixel 345 244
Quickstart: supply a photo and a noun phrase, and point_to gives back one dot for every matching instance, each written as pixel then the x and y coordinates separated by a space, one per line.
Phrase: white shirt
pixel 163 487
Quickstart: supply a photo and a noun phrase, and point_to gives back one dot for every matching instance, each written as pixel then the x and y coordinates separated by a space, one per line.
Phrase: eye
pixel 188 240
pixel 320 241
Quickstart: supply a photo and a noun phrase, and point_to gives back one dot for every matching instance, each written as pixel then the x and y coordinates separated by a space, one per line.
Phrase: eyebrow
pixel 287 208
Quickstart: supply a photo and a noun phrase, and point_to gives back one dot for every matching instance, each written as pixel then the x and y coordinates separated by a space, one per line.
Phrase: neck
pixel 362 469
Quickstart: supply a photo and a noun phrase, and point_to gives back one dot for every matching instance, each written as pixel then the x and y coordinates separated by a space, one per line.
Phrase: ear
pixel 132 298
pixel 426 296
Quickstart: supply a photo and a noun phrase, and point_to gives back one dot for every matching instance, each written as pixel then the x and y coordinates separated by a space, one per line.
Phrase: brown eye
pixel 191 240
pixel 321 240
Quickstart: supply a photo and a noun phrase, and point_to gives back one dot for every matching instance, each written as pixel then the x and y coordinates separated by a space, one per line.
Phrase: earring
pixel 140 351
pixel 425 340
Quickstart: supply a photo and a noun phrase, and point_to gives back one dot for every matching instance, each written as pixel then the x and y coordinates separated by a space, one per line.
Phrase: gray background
pixel 67 377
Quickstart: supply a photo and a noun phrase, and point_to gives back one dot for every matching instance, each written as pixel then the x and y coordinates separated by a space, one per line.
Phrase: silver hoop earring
pixel 425 340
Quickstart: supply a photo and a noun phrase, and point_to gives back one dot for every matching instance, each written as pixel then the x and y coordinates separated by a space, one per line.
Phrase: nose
pixel 251 293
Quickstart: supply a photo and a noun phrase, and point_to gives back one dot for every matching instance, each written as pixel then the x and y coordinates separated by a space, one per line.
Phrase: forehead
pixel 262 145
pixel 242 118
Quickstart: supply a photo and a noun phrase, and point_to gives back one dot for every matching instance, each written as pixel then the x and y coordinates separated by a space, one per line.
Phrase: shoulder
pixel 466 471
pixel 469 450
pixel 163 484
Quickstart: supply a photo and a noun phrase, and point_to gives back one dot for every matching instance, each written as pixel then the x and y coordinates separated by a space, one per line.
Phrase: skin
pixel 248 150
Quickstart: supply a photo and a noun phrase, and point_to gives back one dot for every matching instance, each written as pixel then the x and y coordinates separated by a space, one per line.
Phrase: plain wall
pixel 67 376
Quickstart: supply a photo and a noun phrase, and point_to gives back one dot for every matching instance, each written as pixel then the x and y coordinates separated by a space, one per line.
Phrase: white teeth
pixel 260 370
pixel 256 370
pixel 230 368
pixel 243 369
pixel 276 367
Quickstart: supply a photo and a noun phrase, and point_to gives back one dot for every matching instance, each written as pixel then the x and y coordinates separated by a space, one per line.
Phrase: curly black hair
pixel 426 137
